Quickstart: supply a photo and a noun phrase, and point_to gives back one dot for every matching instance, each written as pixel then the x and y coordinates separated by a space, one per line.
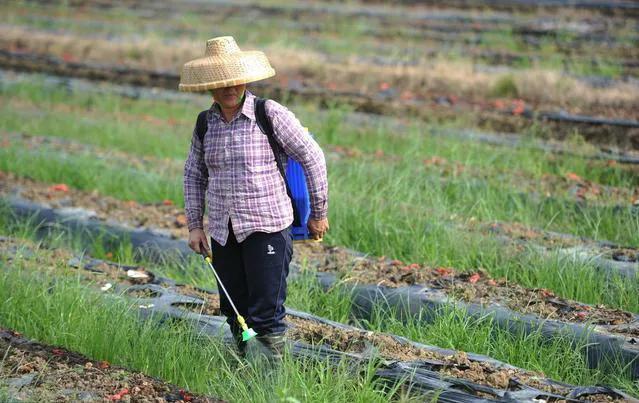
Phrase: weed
pixel 504 87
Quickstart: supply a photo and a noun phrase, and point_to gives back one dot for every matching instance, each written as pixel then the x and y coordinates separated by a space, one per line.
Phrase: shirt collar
pixel 248 107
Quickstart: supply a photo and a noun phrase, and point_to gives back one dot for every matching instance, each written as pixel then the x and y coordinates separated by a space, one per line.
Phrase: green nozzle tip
pixel 248 334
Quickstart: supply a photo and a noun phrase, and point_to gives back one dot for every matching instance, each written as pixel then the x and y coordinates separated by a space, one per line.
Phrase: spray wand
pixel 247 333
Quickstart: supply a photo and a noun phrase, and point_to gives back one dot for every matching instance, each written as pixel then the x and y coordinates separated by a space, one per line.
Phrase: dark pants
pixel 254 273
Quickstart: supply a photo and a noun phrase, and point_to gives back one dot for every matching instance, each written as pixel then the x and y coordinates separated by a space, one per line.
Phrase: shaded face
pixel 229 97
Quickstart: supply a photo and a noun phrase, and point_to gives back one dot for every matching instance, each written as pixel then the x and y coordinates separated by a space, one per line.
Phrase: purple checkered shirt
pixel 236 170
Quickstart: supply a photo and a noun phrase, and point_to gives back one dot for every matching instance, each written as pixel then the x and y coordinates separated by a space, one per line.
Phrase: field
pixel 483 162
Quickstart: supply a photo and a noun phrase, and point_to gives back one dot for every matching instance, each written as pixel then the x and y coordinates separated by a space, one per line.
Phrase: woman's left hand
pixel 318 228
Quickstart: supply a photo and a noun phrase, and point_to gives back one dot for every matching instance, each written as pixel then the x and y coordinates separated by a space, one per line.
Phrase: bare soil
pixel 163 214
pixel 37 372
pixel 477 287
pixel 457 365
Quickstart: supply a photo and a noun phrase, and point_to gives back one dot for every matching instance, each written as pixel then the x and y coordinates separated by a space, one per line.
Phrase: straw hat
pixel 224 65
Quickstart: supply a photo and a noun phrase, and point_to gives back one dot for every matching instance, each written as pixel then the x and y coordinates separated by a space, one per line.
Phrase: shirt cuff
pixel 195 224
pixel 318 215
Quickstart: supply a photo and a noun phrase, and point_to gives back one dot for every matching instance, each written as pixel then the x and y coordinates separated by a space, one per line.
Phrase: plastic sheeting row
pixel 408 301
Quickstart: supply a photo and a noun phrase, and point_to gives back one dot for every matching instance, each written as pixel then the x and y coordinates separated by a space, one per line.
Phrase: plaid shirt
pixel 235 168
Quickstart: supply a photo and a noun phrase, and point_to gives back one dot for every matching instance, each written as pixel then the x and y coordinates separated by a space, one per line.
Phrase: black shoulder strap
pixel 202 125
pixel 265 125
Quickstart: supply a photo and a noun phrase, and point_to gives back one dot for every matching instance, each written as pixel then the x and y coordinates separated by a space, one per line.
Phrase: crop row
pixel 426 75
pixel 534 37
pixel 613 336
pixel 511 116
pixel 479 375
pixel 23 86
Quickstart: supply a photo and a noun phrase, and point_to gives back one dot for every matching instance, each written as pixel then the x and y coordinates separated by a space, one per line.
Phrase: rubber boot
pixel 274 344
pixel 240 345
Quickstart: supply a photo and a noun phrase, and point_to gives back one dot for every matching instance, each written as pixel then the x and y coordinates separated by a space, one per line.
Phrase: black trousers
pixel 254 273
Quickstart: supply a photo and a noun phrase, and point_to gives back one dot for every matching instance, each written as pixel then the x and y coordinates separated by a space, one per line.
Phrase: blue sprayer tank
pixel 296 179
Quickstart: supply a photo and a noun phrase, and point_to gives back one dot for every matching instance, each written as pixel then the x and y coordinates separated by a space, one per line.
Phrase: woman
pixel 249 211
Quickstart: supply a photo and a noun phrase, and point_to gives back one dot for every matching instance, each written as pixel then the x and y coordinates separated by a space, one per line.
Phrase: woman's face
pixel 229 97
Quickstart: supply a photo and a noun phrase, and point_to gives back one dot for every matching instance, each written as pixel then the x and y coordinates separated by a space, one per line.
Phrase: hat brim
pixel 225 83
pixel 208 73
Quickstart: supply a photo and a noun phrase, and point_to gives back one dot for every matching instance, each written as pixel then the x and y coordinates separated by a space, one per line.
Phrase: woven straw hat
pixel 224 65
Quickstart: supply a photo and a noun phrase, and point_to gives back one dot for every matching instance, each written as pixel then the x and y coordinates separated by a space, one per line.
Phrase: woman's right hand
pixel 198 242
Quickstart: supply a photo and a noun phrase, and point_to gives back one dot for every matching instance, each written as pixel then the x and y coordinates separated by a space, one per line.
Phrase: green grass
pixel 351 181
pixel 88 173
pixel 63 312
pixel 119 123
pixel 505 87
pixel 398 210
pixel 79 317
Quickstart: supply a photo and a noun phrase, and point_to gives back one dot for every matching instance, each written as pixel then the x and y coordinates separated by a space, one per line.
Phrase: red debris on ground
pixel 474 278
pixel 167 202
pixel 547 293
pixel 57 351
pixel 184 395
pixel 119 395
pixel 435 160
pixel 180 221
pixel 68 57
pixel 444 271
pixel 519 107
pixel 571 176
pixel 60 187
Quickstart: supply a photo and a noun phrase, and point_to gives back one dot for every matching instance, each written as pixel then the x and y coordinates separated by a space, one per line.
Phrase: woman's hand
pixel 198 242
pixel 318 228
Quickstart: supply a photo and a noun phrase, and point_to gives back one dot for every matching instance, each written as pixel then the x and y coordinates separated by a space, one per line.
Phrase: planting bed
pixel 614 333
pixel 168 219
pixel 464 374
pixel 31 371
pixel 570 188
pixel 568 243
pixel 476 287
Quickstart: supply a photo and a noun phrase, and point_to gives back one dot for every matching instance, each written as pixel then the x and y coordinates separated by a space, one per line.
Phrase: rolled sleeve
pixel 195 183
pixel 299 145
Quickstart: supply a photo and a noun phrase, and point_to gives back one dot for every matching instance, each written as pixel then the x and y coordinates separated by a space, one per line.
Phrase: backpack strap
pixel 265 125
pixel 202 125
